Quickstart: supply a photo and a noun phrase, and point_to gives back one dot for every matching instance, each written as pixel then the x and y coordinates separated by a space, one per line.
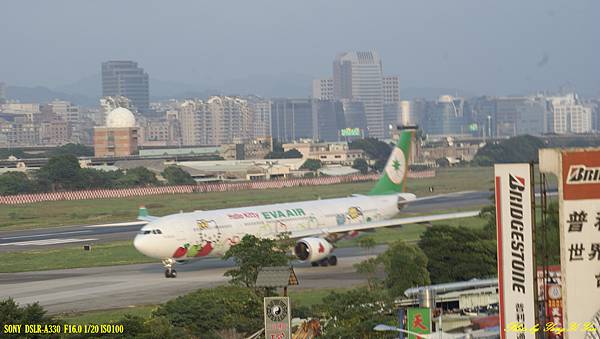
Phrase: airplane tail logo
pixel 396 168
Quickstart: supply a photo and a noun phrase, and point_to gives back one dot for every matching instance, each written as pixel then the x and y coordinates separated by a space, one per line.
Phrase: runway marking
pixel 43 235
pixel 46 242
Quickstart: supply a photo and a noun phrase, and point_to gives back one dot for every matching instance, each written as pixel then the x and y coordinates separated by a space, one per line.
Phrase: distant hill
pixel 42 95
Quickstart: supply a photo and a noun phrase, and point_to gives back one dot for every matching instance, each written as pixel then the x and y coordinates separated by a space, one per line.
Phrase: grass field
pixel 61 213
pixel 117 253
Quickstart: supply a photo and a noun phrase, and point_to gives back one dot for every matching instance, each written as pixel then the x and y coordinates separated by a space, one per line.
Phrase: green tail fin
pixel 396 168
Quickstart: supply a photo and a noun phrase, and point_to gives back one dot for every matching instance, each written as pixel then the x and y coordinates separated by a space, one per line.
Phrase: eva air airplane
pixel 316 224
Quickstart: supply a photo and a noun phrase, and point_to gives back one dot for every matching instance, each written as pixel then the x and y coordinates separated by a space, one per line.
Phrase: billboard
pixel 418 320
pixel 277 318
pixel 516 268
pixel 551 294
pixel 580 240
pixel 350 132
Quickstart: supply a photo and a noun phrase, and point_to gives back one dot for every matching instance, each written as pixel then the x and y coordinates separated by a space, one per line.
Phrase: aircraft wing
pixel 378 224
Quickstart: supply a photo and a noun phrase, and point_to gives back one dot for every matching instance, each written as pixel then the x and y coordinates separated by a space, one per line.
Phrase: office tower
pixel 330 119
pixel 2 92
pixel 125 78
pixel 444 117
pixel 354 115
pixel 322 89
pixel 358 76
pixel 569 115
pixel 293 119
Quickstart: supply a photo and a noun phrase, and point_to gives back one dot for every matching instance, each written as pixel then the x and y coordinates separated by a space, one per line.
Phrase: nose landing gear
pixel 169 270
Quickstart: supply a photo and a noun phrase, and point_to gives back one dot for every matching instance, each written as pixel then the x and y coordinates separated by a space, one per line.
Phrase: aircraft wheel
pixel 314 264
pixel 332 260
pixel 167 273
pixel 173 274
pixel 324 262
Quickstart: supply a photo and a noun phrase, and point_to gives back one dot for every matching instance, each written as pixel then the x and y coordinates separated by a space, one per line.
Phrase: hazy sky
pixel 493 47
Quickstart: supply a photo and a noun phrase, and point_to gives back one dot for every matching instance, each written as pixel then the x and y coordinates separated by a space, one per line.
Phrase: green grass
pixel 61 213
pixel 310 297
pixel 118 253
pixel 107 316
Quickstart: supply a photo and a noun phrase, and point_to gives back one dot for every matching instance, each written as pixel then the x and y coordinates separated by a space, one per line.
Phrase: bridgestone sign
pixel 516 269
pixel 578 172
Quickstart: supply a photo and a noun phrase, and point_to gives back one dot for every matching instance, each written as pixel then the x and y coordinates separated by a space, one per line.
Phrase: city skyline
pixel 463 45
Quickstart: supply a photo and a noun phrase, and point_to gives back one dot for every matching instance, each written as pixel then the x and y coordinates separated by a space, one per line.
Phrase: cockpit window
pixel 156 231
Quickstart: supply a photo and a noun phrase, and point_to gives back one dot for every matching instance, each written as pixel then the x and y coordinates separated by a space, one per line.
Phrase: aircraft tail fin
pixel 393 179
pixel 143 214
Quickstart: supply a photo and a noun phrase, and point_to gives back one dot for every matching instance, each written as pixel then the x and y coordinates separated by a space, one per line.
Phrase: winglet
pixel 143 214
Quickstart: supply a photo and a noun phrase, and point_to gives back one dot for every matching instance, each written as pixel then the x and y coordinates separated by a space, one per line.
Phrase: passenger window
pixel 158 232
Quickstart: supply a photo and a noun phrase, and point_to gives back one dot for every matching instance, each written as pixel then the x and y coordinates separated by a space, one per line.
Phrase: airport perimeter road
pixel 85 289
pixel 59 236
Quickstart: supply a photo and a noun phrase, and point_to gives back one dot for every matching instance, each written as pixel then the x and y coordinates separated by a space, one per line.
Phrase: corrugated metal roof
pixel 277 276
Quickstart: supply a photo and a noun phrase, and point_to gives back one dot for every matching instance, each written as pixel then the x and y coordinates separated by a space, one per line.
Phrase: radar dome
pixel 120 117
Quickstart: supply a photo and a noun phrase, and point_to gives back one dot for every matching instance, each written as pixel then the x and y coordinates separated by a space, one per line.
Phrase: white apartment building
pixel 568 115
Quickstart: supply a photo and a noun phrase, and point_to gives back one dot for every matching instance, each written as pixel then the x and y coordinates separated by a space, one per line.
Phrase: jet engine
pixel 312 249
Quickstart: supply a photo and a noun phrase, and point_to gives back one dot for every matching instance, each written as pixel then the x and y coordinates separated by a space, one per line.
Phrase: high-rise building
pixel 359 76
pixel 2 92
pixel 444 117
pixel 125 78
pixel 322 89
pixel 330 119
pixel 260 116
pixel 293 119
pixel 354 115
pixel 569 115
pixel 391 90
pixel 216 121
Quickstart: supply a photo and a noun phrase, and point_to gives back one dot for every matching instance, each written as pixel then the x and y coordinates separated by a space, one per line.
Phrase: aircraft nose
pixel 142 244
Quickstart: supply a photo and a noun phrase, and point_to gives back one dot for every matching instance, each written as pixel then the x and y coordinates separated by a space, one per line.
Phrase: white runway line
pixel 44 235
pixel 46 242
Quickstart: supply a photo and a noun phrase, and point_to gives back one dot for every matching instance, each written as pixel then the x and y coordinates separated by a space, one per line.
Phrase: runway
pixel 82 289
pixel 11 241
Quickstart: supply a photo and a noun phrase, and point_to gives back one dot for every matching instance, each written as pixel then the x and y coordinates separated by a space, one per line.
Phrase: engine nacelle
pixel 312 249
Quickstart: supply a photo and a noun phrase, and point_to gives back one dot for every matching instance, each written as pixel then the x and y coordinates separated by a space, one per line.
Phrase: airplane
pixel 316 224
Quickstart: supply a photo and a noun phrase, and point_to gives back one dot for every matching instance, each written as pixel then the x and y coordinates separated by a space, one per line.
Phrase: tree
pixel 93 178
pixel 77 150
pixel 61 172
pixel 207 312
pixel 15 183
pixel 405 266
pixel 252 254
pixel 177 176
pixel 354 313
pixel 457 254
pixel 138 176
pixel 361 165
pixel 523 148
pixel 374 148
pixel 291 154
pixel 312 164
pixel 11 313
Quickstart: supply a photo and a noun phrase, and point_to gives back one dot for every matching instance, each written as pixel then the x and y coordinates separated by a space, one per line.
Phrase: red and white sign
pixel 516 268
pixel 580 239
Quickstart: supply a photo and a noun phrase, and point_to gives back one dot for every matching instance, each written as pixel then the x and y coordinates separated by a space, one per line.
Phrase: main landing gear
pixel 330 261
pixel 169 270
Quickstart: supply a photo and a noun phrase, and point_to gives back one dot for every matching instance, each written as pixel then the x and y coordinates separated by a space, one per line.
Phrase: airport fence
pixel 198 188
